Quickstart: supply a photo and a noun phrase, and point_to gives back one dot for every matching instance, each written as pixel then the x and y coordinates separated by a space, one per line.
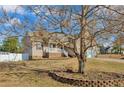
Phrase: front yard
pixel 35 73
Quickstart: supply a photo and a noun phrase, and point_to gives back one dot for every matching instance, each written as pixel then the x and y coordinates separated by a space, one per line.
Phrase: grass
pixel 105 66
pixel 15 75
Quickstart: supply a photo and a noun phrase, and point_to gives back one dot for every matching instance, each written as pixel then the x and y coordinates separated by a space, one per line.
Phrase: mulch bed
pixel 92 75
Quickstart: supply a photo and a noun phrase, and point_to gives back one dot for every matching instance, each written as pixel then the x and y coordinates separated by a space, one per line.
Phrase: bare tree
pixel 77 28
pixel 11 26
pixel 85 25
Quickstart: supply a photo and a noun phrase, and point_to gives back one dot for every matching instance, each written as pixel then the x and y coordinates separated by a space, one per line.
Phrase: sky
pixel 19 16
pixel 23 14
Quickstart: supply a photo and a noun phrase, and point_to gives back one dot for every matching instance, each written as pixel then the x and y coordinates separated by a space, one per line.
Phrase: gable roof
pixel 38 35
pixel 54 37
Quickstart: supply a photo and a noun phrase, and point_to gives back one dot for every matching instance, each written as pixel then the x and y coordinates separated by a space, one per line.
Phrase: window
pixel 54 45
pixel 39 45
pixel 51 46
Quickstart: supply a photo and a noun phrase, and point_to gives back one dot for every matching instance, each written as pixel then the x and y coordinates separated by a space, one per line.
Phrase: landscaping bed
pixel 90 79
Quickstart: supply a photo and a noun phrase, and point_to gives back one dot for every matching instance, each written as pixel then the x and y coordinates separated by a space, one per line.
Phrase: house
pixel 91 51
pixel 118 44
pixel 40 44
pixel 39 47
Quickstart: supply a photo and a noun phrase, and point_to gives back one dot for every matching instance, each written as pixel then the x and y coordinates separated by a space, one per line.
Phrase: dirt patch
pixel 27 79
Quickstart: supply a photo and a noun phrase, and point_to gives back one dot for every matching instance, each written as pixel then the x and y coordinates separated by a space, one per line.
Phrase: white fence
pixel 6 57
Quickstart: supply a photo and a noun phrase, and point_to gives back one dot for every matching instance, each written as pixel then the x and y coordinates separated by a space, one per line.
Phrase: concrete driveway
pixel 110 59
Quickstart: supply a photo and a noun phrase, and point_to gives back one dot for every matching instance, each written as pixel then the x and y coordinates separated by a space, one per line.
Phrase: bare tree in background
pixel 11 26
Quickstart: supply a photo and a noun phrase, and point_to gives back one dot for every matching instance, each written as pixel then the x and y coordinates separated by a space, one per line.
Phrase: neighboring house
pixel 39 46
pixel 105 50
pixel 118 45
pixel 92 51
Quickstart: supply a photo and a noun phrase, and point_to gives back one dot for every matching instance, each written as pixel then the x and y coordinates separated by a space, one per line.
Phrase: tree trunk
pixel 81 65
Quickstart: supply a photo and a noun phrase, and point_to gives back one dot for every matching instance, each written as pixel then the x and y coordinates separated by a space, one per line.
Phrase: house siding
pixel 45 52
pixel 36 53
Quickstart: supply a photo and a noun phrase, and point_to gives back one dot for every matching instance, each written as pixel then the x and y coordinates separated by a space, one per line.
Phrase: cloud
pixel 15 21
pixel 13 8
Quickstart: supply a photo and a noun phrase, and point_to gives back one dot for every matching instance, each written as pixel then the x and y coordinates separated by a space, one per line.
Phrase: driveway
pixel 110 59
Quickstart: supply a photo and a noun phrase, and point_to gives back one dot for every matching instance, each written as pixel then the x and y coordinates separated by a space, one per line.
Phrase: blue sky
pixel 22 15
